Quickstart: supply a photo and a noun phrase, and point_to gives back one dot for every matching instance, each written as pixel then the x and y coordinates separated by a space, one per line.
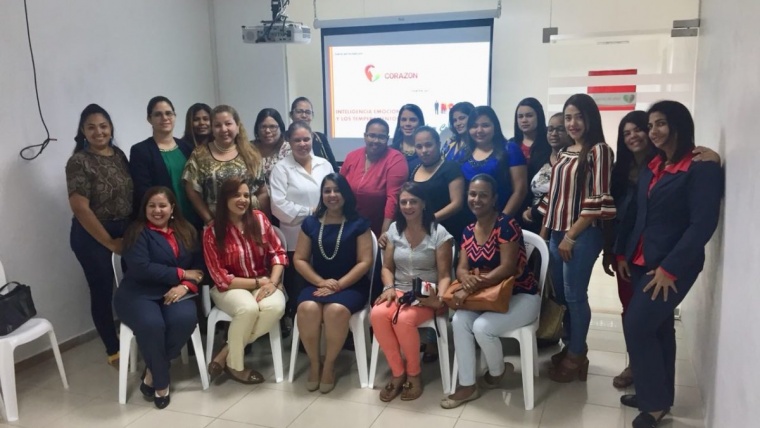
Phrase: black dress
pixel 436 191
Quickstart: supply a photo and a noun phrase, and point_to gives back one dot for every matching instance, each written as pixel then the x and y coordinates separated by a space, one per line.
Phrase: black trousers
pixel 96 263
pixel 651 340
pixel 161 330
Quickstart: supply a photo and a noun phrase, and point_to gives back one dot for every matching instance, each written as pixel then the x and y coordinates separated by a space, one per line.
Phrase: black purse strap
pixel 9 283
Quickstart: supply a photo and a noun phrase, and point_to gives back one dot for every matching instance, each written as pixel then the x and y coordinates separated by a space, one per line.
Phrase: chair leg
pixel 454 374
pixel 535 355
pixel 527 366
pixel 125 339
pixel 210 330
pixel 58 359
pixel 360 346
pixel 293 349
pixel 275 341
pixel 198 348
pixel 373 363
pixel 8 382
pixel 183 355
pixel 443 354
pixel 132 354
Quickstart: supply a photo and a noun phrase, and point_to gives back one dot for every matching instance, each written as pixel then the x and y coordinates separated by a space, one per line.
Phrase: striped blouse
pixel 567 201
pixel 242 258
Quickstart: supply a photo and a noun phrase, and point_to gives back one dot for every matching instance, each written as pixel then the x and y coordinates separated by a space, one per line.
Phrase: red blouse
pixel 172 241
pixel 376 189
pixel 242 257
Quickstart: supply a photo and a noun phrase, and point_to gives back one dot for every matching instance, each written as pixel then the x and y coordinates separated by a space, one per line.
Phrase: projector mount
pixel 278 15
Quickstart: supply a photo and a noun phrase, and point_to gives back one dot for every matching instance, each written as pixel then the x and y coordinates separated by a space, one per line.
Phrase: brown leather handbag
pixel 492 299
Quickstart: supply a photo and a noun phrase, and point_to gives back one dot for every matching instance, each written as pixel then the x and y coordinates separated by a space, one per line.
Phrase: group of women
pixel 652 212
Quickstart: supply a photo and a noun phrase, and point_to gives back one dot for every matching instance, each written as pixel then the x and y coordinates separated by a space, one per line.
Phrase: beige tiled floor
pixel 91 400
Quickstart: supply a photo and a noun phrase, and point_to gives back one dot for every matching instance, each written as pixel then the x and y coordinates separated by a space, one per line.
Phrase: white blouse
pixel 419 261
pixel 295 193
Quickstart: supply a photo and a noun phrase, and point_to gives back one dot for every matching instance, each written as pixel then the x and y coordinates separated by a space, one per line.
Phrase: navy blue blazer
pixel 147 167
pixel 152 267
pixel 677 218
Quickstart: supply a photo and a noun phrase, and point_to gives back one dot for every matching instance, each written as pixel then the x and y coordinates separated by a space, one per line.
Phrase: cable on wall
pixel 42 146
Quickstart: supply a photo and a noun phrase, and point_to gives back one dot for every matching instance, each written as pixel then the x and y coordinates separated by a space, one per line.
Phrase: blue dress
pixel 355 297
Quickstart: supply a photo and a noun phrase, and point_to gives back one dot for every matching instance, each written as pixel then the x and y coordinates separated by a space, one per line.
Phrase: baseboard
pixel 63 346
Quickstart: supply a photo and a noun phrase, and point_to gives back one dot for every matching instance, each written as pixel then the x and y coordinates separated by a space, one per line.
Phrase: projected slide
pixel 374 81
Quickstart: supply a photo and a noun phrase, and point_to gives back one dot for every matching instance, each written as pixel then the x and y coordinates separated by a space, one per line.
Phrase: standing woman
pixel 376 174
pixel 440 179
pixel 159 248
pixel 295 184
pixel 302 110
pixel 418 247
pixel 490 153
pixel 530 134
pixel 539 184
pixel 228 155
pixel 578 201
pixel 456 147
pixel 100 195
pixel 160 159
pixel 333 254
pixel 410 118
pixel 269 131
pixel 198 125
pixel 678 208
pixel 245 259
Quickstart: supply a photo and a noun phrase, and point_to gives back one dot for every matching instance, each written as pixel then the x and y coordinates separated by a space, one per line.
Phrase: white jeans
pixel 486 328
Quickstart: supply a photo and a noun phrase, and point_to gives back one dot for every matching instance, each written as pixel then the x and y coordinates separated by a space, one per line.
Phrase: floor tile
pixel 685 375
pixel 221 423
pixel 322 414
pixel 270 407
pixel 212 402
pixel 603 340
pixel 606 363
pixel 471 424
pixel 169 418
pixel 504 407
pixel 40 407
pixel 101 413
pixel 596 390
pixel 394 418
pixel 564 414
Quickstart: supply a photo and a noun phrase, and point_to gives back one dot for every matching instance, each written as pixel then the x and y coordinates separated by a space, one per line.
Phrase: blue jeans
pixel 571 283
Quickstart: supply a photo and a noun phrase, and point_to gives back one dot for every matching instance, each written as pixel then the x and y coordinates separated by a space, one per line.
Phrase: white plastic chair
pixel 216 315
pixel 29 331
pixel 525 335
pixel 125 344
pixel 358 324
pixel 443 344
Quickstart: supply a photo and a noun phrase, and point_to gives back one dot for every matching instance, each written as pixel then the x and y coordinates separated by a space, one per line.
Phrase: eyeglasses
pixel 159 114
pixel 269 127
pixel 559 129
pixel 301 112
pixel 378 137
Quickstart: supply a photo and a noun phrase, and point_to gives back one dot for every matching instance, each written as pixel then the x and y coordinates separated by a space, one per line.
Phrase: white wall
pixel 116 54
pixel 721 314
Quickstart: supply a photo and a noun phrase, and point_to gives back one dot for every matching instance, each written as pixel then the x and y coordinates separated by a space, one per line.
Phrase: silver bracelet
pixel 388 287
pixel 567 238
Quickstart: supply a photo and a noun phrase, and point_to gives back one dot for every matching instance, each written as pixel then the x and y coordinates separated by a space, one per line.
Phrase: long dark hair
pixel 189 135
pixel 680 124
pixel 465 108
pixel 592 134
pixel 158 99
pixel 499 141
pixel 398 134
pixel 540 151
pixel 183 230
pixel 624 155
pixel 349 200
pixel 428 216
pixel 274 114
pixel 86 113
pixel 251 227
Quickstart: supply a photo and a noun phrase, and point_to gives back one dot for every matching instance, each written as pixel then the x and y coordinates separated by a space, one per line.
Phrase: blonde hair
pixel 251 157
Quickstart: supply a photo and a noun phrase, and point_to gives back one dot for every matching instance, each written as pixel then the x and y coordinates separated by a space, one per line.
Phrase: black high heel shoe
pixel 161 402
pixel 147 391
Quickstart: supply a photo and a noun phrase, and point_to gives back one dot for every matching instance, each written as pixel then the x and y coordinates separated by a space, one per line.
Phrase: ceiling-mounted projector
pixel 278 32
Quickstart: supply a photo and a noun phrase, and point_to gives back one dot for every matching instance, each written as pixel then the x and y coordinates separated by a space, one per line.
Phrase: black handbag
pixel 16 306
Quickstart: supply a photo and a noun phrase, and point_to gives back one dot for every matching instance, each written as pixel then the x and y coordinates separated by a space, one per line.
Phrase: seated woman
pixel 417 247
pixel 334 255
pixel 158 250
pixel 492 251
pixel 245 259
